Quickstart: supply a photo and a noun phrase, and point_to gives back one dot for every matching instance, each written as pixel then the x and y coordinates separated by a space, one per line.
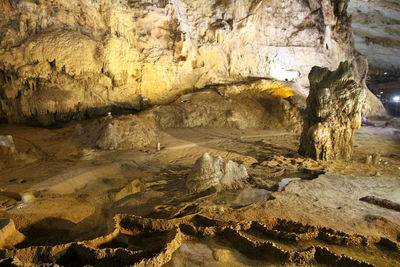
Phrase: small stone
pixel 27 197
pixel 375 158
pixel 368 159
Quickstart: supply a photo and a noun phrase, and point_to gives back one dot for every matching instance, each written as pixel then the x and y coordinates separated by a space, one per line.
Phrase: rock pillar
pixel 332 114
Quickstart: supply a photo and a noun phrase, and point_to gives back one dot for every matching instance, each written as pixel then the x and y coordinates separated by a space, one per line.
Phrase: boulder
pixel 120 133
pixel 212 171
pixel 333 113
pixel 209 109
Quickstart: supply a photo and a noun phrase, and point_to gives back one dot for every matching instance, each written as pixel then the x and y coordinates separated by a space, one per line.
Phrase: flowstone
pixel 333 113
pixel 213 171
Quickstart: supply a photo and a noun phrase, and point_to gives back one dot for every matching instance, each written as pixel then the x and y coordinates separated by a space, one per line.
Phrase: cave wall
pixel 376 27
pixel 61 58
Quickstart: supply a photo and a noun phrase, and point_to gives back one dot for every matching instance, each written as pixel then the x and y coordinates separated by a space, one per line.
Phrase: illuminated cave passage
pixel 200 133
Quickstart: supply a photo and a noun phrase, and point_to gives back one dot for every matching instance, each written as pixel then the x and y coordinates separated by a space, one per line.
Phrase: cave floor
pixel 87 205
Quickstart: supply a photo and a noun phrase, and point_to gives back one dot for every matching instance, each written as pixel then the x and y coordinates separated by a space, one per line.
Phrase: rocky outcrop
pixel 9 156
pixel 213 171
pixel 210 109
pixel 333 113
pixel 9 235
pixel 376 27
pixel 62 60
pixel 121 133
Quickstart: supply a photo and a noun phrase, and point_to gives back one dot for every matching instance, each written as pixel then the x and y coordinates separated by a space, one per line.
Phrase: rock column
pixel 333 113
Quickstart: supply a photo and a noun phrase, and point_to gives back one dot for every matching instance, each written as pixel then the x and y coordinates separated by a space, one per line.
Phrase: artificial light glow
pixel 396 98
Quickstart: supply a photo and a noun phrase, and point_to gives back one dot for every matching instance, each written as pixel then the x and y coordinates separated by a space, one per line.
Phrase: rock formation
pixel 9 156
pixel 122 133
pixel 209 109
pixel 376 27
pixel 9 235
pixel 333 113
pixel 213 171
pixel 62 60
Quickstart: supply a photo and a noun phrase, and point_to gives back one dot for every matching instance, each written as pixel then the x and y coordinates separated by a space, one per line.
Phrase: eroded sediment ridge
pixel 129 243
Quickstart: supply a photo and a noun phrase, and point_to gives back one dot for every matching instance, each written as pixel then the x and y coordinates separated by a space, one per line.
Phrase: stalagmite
pixel 333 113
pixel 212 171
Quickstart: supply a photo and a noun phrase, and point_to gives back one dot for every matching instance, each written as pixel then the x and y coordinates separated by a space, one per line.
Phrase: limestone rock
pixel 212 171
pixel 376 28
pixel 120 133
pixel 209 109
pixel 7 145
pixel 9 156
pixel 63 60
pixel 333 113
pixel 9 235
pixel 372 107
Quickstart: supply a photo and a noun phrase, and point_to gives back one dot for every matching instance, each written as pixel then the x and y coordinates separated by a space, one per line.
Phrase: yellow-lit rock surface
pixel 62 59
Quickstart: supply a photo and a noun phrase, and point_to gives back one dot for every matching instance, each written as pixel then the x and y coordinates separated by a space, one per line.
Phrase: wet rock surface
pixel 333 113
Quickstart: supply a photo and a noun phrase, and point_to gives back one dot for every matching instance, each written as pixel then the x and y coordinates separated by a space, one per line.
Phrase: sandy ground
pixel 72 193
